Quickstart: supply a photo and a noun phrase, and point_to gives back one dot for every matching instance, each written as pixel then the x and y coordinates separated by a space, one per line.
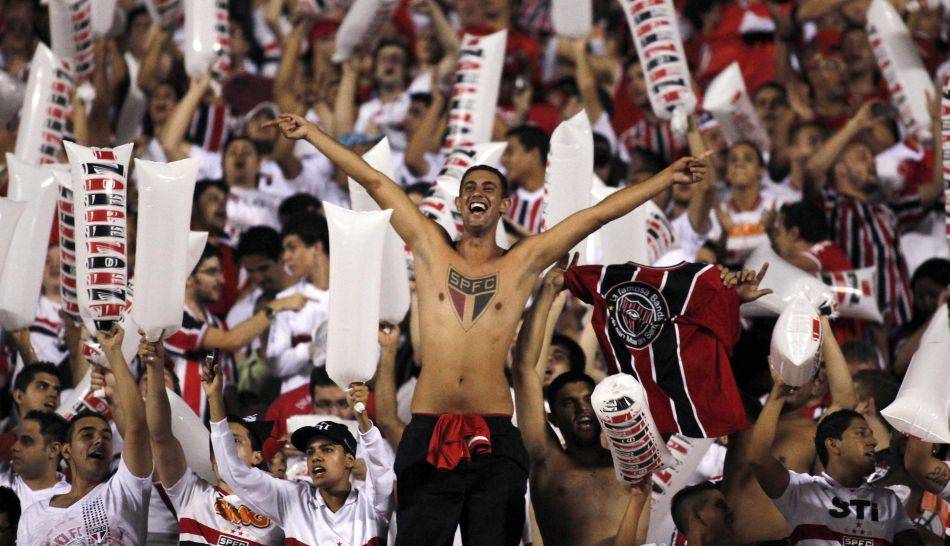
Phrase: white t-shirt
pixel 387 117
pixel 23 492
pixel 298 506
pixel 747 231
pixel 404 176
pixel 115 512
pixel 206 515
pixel 291 333
pixel 821 512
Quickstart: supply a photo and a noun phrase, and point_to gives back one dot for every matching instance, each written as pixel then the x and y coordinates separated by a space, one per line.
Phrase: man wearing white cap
pixel 460 459
pixel 330 510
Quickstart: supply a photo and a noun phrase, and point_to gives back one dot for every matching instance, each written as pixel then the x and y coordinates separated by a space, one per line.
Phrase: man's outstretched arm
pixel 414 228
pixel 548 246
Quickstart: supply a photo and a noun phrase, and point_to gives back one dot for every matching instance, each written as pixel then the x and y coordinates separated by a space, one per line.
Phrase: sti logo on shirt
pixel 842 509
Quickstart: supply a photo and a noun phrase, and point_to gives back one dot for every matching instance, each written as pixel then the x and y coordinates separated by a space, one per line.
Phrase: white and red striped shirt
pixel 206 515
pixel 47 333
pixel 821 512
pixel 658 138
pixel 869 234
pixel 526 207
pixel 209 127
pixel 186 354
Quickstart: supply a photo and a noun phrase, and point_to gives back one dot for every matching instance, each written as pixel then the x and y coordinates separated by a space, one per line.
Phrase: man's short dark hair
pixel 234 137
pixel 298 203
pixel 935 269
pixel 833 426
pixel 680 504
pixel 10 505
pixel 859 351
pixel 532 138
pixel 310 227
pixel 773 85
pixel 82 415
pixel 808 218
pixel 52 425
pixel 802 125
pixel 260 241
pixel 877 384
pixel 210 251
pixel 490 169
pixel 754 146
pixel 566 378
pixel 575 355
pixel 29 373
pixel 320 378
pixel 424 98
pixel 206 184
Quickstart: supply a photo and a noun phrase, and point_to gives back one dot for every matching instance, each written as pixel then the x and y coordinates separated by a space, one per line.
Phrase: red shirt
pixel 673 330
pixel 293 402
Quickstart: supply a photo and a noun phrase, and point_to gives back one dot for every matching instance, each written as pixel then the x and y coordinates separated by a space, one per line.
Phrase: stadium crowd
pixel 493 437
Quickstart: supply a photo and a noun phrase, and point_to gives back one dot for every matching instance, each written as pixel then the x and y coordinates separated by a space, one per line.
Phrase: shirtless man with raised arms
pixel 471 296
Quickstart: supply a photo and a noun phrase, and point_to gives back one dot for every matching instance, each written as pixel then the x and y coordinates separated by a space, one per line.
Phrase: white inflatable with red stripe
pixel 655 30
pixel 362 28
pixel 796 341
pixel 475 92
pixel 728 101
pixel 207 39
pixel 569 174
pixel 45 112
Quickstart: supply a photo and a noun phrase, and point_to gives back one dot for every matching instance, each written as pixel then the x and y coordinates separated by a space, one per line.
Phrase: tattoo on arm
pixel 939 475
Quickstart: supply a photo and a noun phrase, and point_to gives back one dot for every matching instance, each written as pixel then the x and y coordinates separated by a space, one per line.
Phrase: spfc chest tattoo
pixel 470 295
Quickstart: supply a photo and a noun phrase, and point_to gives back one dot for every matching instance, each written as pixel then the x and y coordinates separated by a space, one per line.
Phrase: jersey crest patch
pixel 638 312
pixel 470 296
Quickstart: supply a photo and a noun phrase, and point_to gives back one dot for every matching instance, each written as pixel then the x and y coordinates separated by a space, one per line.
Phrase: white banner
pixel 362 28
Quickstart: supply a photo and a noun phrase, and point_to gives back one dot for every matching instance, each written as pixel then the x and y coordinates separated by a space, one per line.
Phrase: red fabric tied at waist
pixel 456 438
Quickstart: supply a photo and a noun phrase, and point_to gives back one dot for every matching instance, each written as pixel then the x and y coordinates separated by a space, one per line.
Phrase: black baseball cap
pixel 335 432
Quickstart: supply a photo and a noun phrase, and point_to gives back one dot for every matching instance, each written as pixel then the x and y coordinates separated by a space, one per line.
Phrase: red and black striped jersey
pixel 870 235
pixel 673 329
pixel 186 354
pixel 658 138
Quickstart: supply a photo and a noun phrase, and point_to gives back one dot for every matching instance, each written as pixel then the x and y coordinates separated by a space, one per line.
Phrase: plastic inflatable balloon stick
pixel 783 278
pixel 67 243
pixel 43 118
pixel 362 27
pixel 207 39
pixel 728 100
pixel 568 179
pixel 194 438
pixel 654 28
pixel 922 407
pixel 854 293
pixel 686 454
pixel 641 236
pixel 99 202
pixel 104 17
pixel 10 212
pixel 355 280
pixel 572 18
pixel 475 93
pixel 22 274
pixel 635 444
pixel 796 342
pixel 12 92
pixel 394 292
pixel 83 398
pixel 162 230
pixel 907 79
pixel 71 31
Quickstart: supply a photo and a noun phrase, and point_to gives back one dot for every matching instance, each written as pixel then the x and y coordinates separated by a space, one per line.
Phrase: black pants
pixel 485 496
